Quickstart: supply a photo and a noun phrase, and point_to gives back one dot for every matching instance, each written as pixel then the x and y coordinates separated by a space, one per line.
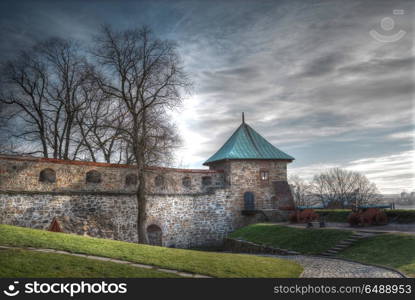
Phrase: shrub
pixel 304 216
pixel 353 219
pixel 401 215
pixel 334 215
pixel 393 215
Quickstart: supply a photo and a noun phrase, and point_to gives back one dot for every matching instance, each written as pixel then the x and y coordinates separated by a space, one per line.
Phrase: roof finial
pixel 243 117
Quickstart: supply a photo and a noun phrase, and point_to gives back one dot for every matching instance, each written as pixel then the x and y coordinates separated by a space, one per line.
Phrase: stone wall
pixel 185 220
pixel 191 207
pixel 23 174
pixel 112 215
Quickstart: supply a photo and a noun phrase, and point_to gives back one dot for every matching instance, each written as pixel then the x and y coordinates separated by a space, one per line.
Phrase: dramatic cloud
pixel 308 74
pixel 391 173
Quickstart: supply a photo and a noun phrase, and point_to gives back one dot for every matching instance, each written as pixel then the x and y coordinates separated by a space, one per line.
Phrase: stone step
pixel 357 236
pixel 338 248
pixel 332 251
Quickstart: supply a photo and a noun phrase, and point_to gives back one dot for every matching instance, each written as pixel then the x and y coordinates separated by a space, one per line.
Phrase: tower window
pixel 187 182
pixel 93 177
pixel 159 181
pixel 131 179
pixel 47 176
pixel 206 180
pixel 264 175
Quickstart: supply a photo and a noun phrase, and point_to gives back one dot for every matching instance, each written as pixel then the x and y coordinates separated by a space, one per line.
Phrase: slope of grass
pixel 392 250
pixel 307 241
pixel 208 263
pixel 23 263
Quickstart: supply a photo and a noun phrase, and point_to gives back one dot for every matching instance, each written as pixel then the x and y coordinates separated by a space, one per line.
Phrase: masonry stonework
pixel 186 207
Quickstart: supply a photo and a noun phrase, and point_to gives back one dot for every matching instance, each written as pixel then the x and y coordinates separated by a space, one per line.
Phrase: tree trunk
pixel 141 206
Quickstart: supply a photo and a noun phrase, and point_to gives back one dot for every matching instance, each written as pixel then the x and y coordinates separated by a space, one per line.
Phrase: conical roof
pixel 246 143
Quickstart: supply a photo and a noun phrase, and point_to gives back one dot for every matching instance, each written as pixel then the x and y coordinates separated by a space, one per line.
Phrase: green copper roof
pixel 246 143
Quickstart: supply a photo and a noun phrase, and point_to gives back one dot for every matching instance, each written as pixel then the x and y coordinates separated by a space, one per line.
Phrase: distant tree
pixel 143 77
pixel 342 188
pixel 301 191
pixel 406 198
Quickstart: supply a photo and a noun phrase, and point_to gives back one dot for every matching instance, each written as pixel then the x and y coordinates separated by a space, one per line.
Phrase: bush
pixel 401 215
pixel 394 215
pixel 334 215
pixel 304 216
pixel 370 216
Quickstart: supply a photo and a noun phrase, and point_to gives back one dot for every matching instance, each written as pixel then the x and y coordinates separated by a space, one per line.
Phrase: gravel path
pixel 336 268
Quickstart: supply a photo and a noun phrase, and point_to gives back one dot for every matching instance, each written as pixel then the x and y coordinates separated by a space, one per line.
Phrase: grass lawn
pixel 392 250
pixel 23 263
pixel 307 241
pixel 207 263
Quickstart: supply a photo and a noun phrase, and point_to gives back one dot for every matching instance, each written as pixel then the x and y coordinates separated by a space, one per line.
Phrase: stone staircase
pixel 345 244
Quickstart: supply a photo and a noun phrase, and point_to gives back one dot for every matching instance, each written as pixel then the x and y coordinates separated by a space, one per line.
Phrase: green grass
pixel 207 263
pixel 392 250
pixel 307 241
pixel 23 263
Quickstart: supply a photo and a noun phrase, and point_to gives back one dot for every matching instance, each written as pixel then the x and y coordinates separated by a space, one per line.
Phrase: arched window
pixel 206 180
pixel 186 181
pixel 154 235
pixel 159 181
pixel 249 201
pixel 93 177
pixel 131 179
pixel 47 176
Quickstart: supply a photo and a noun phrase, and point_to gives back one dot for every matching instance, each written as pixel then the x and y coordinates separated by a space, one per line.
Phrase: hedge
pixel 334 215
pixel 401 215
pixel 394 215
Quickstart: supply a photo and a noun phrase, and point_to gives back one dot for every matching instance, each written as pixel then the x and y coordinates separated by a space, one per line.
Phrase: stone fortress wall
pixel 186 208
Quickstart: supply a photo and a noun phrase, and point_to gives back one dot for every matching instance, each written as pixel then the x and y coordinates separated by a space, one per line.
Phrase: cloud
pixel 323 65
pixel 391 173
pixel 403 135
pixel 308 75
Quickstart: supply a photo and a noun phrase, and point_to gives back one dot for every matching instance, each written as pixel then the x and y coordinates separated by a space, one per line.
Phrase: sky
pixel 328 82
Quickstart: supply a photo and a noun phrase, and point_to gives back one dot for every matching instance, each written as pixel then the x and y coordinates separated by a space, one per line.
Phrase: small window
pixel 131 179
pixel 264 175
pixel 47 176
pixel 93 177
pixel 187 182
pixel 206 180
pixel 159 181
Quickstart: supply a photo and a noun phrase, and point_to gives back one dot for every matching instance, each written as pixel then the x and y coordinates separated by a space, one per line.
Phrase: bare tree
pixel 44 88
pixel 23 87
pixel 342 188
pixel 301 191
pixel 144 78
pixel 99 129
